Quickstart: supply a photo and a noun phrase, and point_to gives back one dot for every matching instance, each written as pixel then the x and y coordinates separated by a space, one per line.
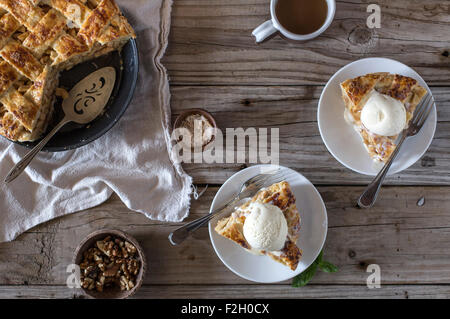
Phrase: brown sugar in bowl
pixel 179 120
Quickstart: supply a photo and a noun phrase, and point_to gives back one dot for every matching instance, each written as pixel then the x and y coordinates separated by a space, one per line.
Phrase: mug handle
pixel 264 31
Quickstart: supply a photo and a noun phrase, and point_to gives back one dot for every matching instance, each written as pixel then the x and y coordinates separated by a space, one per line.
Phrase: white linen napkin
pixel 132 159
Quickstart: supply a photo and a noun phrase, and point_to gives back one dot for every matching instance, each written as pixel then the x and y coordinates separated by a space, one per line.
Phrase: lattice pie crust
pixel 40 38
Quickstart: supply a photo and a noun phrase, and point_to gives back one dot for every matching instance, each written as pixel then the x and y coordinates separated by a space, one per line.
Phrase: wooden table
pixel 214 63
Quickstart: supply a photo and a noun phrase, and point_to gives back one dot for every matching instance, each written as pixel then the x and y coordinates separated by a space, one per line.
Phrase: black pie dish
pixel 72 135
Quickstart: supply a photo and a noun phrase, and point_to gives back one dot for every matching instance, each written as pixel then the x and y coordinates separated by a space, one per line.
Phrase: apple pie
pixel 356 93
pixel 281 196
pixel 39 39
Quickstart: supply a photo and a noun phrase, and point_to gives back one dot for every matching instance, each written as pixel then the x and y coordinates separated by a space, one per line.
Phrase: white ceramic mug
pixel 272 26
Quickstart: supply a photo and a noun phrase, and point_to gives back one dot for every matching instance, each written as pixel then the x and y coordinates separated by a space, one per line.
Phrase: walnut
pixel 101 266
pixel 111 262
pixel 124 252
pixel 99 286
pixel 98 258
pixel 100 283
pixel 130 248
pixel 126 284
pixel 102 246
pixel 88 283
pixel 84 265
pixel 111 270
pixel 133 266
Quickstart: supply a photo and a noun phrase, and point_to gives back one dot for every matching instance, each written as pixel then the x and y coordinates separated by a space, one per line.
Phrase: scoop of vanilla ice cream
pixel 383 115
pixel 266 227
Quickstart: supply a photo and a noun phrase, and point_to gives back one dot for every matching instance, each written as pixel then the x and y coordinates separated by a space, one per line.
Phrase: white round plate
pixel 344 143
pixel 313 231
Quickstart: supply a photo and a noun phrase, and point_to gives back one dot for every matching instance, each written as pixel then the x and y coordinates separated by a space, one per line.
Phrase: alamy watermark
pixel 374 279
pixel 74 279
pixel 374 20
pixel 237 145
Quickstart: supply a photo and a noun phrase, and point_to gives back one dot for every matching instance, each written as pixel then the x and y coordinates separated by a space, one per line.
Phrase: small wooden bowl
pixel 207 115
pixel 111 293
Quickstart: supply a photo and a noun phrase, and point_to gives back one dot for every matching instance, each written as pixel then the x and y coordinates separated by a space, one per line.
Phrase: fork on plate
pixel 248 189
pixel 421 114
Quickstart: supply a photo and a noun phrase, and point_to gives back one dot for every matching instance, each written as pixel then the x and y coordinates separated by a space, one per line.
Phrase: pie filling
pixel 38 40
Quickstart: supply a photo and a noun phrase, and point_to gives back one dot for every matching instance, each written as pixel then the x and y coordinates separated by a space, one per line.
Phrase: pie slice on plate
pixel 40 38
pixel 281 196
pixel 356 93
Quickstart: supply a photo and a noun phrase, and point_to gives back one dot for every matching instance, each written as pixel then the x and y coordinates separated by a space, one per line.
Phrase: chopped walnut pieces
pixel 130 248
pixel 133 267
pixel 112 262
pixel 125 283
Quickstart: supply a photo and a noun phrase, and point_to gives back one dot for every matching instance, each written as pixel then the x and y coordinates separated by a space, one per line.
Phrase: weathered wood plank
pixel 211 43
pixel 242 291
pixel 409 242
pixel 294 111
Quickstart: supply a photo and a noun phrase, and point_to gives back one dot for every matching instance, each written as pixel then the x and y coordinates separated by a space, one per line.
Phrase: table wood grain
pixel 214 64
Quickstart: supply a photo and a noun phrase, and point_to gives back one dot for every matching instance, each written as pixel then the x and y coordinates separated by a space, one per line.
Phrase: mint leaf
pixel 327 267
pixel 305 277
pixel 319 258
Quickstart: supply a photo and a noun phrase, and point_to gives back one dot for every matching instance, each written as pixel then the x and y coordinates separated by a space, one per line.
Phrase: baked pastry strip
pixel 97 21
pixel 21 59
pixel 24 11
pixel 73 10
pixel 45 33
pixel 8 25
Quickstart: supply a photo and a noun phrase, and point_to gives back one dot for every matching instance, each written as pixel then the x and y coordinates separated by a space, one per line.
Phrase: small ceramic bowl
pixel 111 293
pixel 207 115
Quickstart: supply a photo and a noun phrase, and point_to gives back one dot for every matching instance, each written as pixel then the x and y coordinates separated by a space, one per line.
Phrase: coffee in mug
pixel 299 20
pixel 301 16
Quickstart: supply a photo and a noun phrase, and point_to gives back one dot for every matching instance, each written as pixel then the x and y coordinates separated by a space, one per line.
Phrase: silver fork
pixel 248 189
pixel 424 109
